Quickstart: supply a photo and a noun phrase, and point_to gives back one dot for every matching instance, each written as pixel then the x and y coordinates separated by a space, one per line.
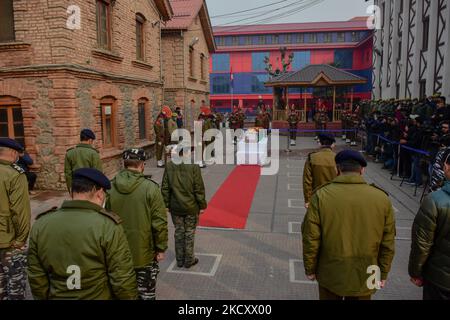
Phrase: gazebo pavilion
pixel 312 76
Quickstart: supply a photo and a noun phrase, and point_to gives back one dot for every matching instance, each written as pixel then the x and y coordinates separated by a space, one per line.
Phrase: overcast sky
pixel 325 10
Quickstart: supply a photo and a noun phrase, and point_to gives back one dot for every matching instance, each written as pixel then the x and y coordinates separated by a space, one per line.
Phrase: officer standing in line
pixel 84 155
pixel 139 203
pixel 349 228
pixel 321 120
pixel 80 251
pixel 183 191
pixel 320 167
pixel 15 216
pixel 293 120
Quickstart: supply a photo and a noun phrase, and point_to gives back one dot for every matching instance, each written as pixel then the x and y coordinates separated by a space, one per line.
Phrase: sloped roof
pixel 357 23
pixel 314 74
pixel 184 13
pixel 164 9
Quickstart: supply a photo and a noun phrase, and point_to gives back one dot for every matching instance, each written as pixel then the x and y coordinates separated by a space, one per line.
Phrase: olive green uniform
pixel 183 191
pixel 139 203
pixel 15 216
pixel 349 226
pixel 320 168
pixel 293 120
pixel 81 238
pixel 81 156
pixel 160 138
pixel 321 120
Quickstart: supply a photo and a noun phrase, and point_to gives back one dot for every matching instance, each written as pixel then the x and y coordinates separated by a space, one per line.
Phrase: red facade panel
pixel 322 56
pixel 362 57
pixel 241 61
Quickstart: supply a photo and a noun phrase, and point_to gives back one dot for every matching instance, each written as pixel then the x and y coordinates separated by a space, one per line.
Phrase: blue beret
pixel 88 133
pixel 11 143
pixel 351 155
pixel 94 175
pixel 325 136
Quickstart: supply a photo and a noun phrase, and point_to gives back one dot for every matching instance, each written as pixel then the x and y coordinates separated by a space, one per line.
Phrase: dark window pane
pixel 108 131
pixel 6 20
pixel 3 115
pixel 139 42
pixel 17 115
pixel 3 130
pixel 18 129
pixel 142 127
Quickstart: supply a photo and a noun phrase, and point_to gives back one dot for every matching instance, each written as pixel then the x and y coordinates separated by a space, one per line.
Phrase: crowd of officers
pixel 107 241
pixel 349 229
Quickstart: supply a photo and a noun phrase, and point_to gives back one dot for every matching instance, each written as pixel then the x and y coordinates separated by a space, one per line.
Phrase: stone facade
pixel 183 88
pixel 60 77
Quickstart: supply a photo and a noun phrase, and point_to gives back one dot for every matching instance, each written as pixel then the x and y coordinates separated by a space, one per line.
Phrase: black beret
pixel 88 133
pixel 135 154
pixel 94 175
pixel 351 155
pixel 326 136
pixel 11 143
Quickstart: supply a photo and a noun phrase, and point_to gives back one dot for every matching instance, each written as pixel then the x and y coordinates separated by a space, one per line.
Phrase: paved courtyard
pixel 264 260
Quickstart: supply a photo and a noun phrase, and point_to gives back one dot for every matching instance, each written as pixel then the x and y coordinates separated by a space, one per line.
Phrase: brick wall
pixel 57 104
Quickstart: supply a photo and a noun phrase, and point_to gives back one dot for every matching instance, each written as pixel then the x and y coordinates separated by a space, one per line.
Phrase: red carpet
pixel 230 206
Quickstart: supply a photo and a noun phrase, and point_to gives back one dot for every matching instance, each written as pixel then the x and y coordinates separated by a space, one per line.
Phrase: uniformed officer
pixel 84 155
pixel 321 120
pixel 207 123
pixel 164 127
pixel 320 167
pixel 80 251
pixel 293 120
pixel 348 234
pixel 15 215
pixel 139 203
pixel 183 191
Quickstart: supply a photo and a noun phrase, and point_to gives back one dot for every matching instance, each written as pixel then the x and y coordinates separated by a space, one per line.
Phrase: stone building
pixel 187 44
pixel 67 65
pixel 411 48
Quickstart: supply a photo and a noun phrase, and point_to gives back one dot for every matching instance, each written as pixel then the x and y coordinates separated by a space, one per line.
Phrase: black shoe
pixel 180 264
pixel 187 266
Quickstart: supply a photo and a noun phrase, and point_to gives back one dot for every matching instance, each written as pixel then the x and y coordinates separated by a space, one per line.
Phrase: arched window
pixel 11 120
pixel 108 116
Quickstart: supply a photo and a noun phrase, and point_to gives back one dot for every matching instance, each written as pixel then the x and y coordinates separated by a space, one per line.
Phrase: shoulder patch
pixel 45 212
pixel 377 187
pixel 17 168
pixel 111 215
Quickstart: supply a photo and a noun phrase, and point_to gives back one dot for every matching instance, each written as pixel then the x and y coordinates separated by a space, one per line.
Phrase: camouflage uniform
pixel 184 237
pixel 13 280
pixel 146 281
pixel 183 191
pixel 15 216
